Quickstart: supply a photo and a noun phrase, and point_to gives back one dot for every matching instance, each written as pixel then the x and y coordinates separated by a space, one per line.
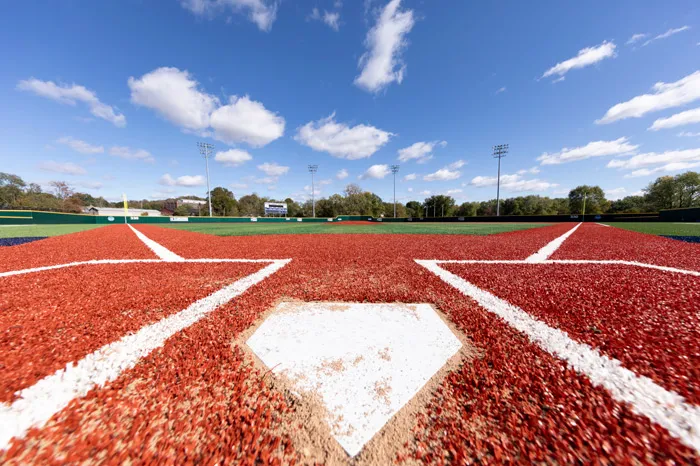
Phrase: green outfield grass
pixel 658 228
pixel 12 231
pixel 245 229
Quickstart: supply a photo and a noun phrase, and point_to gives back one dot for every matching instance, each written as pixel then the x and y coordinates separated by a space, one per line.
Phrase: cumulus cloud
pixel 444 174
pixel 620 146
pixel 514 183
pixel 668 167
pixel 176 96
pixel 532 170
pixel 636 38
pixel 457 164
pixel 185 180
pixel 615 194
pixel 80 146
pixel 273 169
pixel 585 57
pixel 450 192
pixel 340 140
pixel 500 90
pixel 342 174
pixel 665 95
pixel 67 168
pixel 329 18
pixel 71 95
pixel 261 12
pixel 688 117
pixel 666 35
pixel 233 157
pixel 420 151
pixel 131 154
pixel 688 134
pixel 655 158
pixel 410 177
pixel 382 64
pixel 376 172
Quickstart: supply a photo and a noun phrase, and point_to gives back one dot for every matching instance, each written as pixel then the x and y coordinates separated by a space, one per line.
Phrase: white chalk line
pixel 551 247
pixel 159 250
pixel 664 407
pixel 37 404
pixel 602 224
pixel 662 268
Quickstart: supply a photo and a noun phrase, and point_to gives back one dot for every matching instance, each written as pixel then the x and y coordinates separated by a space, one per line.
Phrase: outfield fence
pixel 31 217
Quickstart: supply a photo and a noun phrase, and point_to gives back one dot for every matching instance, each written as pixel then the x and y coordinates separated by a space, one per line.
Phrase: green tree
pixel 414 209
pixel 293 208
pixel 595 200
pixel 223 203
pixel 440 205
pixel 688 187
pixel 629 205
pixel 466 209
pixel 11 187
pixel 251 205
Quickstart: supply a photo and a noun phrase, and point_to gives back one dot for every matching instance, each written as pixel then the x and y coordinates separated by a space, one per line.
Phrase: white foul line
pixel 551 247
pixel 35 405
pixel 665 407
pixel 160 251
pixel 602 224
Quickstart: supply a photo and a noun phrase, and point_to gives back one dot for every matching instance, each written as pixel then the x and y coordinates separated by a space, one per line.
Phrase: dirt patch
pixel 307 422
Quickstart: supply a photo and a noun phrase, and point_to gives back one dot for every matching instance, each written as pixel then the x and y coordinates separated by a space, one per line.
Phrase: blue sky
pixel 113 96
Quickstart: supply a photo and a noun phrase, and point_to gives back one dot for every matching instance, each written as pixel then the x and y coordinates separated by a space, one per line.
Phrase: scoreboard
pixel 276 208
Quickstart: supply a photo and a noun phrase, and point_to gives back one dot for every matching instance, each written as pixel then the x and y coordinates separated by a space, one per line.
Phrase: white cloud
pixel 342 174
pixel 410 177
pixel 514 183
pixel 261 12
pixel 444 174
pixel 425 192
pixel 376 172
pixel 340 140
pixel 325 182
pixel 666 95
pixel 585 57
pixel 273 169
pixel 688 134
pixel 307 189
pixel 666 34
pixel 66 168
pixel 131 154
pixel 450 192
pixel 419 151
pixel 636 38
pixel 186 180
pixel 265 180
pixel 177 97
pixel 70 95
pixel 502 89
pixel 238 186
pixel 669 167
pixel 80 146
pixel 654 158
pixel 245 120
pixel 457 164
pixel 330 18
pixel 382 64
pixel 679 119
pixel 410 190
pixel 620 146
pixel 615 194
pixel 532 170
pixel 233 157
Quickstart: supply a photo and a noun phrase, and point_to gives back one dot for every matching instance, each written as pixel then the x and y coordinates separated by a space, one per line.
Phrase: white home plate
pixel 364 361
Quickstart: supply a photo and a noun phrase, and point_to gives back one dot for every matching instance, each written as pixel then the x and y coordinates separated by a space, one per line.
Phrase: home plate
pixel 362 361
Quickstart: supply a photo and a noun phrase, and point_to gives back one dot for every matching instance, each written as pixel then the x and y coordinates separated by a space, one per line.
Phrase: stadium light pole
pixel 499 152
pixel 394 170
pixel 313 169
pixel 206 149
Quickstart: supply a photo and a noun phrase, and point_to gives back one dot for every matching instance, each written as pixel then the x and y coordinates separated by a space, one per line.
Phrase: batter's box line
pixel 37 404
pixel 664 407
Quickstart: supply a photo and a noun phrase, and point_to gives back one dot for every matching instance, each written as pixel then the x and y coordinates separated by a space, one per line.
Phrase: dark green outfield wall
pixel 25 217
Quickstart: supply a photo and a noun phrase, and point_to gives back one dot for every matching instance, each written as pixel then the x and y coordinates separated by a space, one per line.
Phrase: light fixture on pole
pixel 206 149
pixel 499 152
pixel 394 170
pixel 313 169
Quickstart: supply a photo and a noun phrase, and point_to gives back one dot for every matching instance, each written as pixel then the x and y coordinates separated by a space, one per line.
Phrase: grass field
pixel 12 231
pixel 247 229
pixel 656 228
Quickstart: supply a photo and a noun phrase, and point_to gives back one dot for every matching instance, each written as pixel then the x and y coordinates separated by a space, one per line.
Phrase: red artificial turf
pixel 48 319
pixel 109 242
pixel 598 242
pixel 197 400
pixel 645 318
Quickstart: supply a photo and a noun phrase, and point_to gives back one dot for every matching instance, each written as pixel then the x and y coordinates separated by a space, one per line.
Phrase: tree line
pixel 666 192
